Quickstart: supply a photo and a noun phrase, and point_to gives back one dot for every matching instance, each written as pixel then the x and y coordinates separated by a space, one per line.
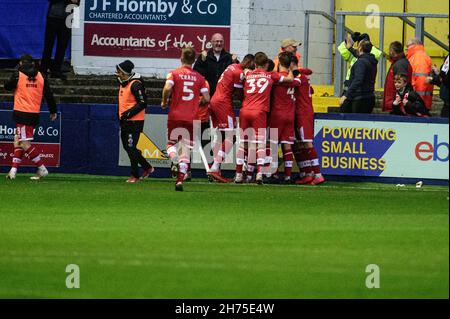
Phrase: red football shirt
pixel 303 95
pixel 231 78
pixel 257 89
pixel 187 85
pixel 283 97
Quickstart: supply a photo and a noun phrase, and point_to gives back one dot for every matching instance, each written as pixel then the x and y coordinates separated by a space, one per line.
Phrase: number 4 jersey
pixel 187 86
pixel 257 89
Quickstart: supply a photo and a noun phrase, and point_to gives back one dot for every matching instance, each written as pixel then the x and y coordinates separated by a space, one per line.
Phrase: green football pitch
pixel 221 241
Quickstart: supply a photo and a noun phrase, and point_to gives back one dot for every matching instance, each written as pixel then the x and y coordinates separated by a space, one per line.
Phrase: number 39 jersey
pixel 187 85
pixel 257 89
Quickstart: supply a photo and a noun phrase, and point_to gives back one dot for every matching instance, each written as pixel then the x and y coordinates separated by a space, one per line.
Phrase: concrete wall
pixel 256 25
pixel 271 21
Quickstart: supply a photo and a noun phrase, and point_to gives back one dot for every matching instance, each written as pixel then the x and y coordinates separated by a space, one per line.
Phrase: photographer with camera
pixel 350 54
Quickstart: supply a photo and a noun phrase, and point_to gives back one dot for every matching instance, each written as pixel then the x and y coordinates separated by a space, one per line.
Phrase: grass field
pixel 221 241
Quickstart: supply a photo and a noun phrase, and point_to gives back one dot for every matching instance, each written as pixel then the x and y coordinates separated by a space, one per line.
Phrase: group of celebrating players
pixel 276 109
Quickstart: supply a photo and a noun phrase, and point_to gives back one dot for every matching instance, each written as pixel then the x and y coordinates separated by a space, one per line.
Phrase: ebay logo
pixel 425 151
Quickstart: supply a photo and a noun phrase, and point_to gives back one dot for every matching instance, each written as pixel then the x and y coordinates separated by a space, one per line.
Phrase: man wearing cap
pixel 289 45
pixel 350 54
pixel 132 105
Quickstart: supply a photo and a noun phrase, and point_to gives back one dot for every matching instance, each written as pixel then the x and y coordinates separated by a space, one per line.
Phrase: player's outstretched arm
pixel 290 78
pixel 167 92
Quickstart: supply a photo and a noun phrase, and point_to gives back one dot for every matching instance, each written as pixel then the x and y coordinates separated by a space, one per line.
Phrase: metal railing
pixel 308 13
pixel 339 66
pixel 341 30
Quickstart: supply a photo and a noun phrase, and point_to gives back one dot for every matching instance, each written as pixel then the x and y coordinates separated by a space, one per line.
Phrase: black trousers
pixel 130 139
pixel 55 29
pixel 358 106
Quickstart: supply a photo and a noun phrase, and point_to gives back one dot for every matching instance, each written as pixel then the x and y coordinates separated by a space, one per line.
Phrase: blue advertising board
pixel 176 12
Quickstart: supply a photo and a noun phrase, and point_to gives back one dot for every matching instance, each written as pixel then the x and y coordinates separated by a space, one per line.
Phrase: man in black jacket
pixel 360 96
pixel 212 63
pixel 132 105
pixel 57 28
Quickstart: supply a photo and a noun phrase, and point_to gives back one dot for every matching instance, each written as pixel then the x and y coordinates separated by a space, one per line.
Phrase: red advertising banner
pixel 50 154
pixel 147 41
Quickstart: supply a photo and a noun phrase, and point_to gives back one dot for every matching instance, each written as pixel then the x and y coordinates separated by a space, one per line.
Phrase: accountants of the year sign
pixel 188 12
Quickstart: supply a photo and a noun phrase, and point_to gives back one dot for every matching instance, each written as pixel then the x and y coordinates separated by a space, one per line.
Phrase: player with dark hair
pixel 253 115
pixel 29 86
pixel 223 116
pixel 183 86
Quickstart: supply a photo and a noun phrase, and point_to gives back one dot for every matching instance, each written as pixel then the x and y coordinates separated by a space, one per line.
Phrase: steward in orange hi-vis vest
pixel 29 87
pixel 132 105
pixel 129 95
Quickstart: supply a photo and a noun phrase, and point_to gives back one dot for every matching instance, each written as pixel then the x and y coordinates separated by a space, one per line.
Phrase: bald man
pixel 212 63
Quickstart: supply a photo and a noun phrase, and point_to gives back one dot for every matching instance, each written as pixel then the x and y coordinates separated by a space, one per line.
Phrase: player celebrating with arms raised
pixel 183 86
pixel 29 86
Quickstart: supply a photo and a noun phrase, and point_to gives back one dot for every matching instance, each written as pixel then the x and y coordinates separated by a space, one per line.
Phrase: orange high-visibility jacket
pixel 28 94
pixel 421 65
pixel 127 100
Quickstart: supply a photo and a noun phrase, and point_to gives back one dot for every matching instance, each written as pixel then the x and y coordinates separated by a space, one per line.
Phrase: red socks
pixel 288 158
pixel 34 155
pixel 314 160
pixel 17 159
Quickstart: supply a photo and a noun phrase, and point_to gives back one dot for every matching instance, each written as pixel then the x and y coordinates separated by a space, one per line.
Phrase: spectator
pixel 212 63
pixel 350 55
pixel 421 66
pixel 440 78
pixel 289 45
pixel 360 96
pixel 399 65
pixel 56 29
pixel 407 102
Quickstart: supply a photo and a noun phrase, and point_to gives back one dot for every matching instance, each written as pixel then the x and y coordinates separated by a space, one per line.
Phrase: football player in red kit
pixel 253 115
pixel 222 112
pixel 282 116
pixel 183 85
pixel 305 153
